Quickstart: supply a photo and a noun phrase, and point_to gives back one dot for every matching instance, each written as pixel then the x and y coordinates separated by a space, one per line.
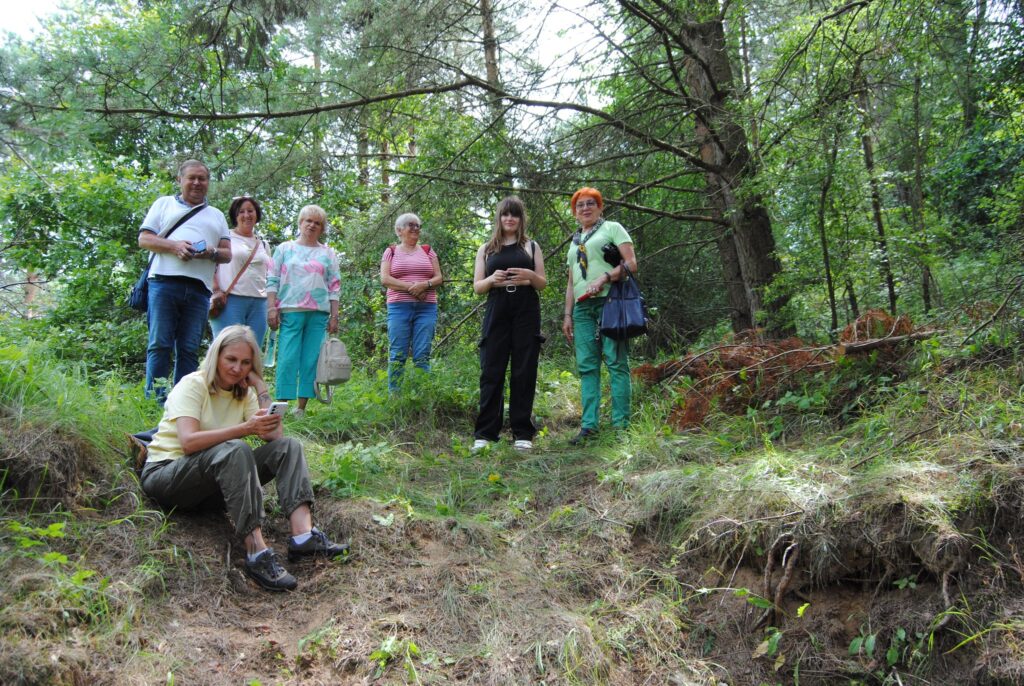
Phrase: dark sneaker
pixel 316 545
pixel 267 571
pixel 583 436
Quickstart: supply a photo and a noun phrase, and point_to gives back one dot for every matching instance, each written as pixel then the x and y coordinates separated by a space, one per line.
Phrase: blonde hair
pixel 236 333
pixel 313 212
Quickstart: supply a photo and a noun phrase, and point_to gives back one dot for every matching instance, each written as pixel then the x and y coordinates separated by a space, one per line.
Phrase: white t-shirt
pixel 208 224
pixel 253 282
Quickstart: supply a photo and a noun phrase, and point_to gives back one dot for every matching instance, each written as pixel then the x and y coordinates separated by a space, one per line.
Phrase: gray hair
pixel 313 212
pixel 236 333
pixel 192 163
pixel 404 219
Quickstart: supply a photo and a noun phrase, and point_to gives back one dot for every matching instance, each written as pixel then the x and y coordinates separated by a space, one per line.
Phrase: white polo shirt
pixel 208 224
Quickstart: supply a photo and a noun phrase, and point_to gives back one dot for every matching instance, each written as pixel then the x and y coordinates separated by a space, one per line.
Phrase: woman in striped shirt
pixel 411 273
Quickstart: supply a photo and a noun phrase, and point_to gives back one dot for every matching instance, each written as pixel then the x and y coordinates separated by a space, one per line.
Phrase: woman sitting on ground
pixel 199 453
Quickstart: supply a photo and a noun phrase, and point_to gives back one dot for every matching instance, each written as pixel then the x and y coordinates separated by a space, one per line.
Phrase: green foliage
pixel 394 650
pixel 66 228
pixel 349 465
pixel 100 107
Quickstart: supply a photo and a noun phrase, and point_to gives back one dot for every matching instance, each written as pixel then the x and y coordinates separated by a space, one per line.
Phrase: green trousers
pixel 235 472
pixel 590 348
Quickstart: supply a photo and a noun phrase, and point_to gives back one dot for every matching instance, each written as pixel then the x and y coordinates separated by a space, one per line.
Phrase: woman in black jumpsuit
pixel 510 269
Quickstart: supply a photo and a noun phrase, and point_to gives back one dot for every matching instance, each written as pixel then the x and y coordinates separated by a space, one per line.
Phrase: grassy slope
pixel 881 514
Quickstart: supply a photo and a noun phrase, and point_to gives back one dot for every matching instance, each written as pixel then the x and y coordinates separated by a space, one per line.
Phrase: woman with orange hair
pixel 594 261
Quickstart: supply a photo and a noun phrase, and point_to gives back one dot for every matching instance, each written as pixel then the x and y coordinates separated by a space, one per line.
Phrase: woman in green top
pixel 589 277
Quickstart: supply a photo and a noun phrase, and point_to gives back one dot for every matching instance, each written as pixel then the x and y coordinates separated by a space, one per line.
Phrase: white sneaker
pixel 523 444
pixel 297 413
pixel 479 444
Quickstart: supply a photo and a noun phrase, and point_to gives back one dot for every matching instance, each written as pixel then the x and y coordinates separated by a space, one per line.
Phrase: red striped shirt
pixel 413 267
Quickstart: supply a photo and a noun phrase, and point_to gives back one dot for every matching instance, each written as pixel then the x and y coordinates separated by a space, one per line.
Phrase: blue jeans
pixel 177 318
pixel 410 326
pixel 298 348
pixel 243 309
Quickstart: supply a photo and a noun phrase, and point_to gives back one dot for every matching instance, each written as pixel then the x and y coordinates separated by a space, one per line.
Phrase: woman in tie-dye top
pixel 302 299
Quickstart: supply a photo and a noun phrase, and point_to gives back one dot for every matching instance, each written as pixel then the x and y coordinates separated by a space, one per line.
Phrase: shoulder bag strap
pixel 245 266
pixel 184 218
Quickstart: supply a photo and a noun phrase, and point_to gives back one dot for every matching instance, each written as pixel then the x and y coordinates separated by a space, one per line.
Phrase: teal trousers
pixel 298 348
pixel 590 349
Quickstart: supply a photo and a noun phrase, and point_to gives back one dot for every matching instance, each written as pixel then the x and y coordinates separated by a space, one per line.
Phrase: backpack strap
pixel 391 249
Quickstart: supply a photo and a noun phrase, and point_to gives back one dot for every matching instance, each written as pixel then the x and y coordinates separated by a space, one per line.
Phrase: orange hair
pixel 587 191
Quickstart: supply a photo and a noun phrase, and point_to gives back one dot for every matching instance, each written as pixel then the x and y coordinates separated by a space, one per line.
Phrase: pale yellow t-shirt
pixel 191 398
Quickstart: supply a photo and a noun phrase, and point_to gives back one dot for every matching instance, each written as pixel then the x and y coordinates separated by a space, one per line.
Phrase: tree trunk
pixel 723 143
pixel 826 185
pixel 740 316
pixel 968 88
pixel 867 142
pixel 385 176
pixel 504 177
pixel 917 202
pixel 851 296
pixel 317 167
pixel 490 53
pixel 363 150
pixel 748 82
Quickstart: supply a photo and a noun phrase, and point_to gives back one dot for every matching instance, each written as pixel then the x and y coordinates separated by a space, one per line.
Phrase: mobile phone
pixel 199 246
pixel 279 408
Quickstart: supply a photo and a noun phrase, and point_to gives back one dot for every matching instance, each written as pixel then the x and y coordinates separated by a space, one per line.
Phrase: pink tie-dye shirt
pixel 304 278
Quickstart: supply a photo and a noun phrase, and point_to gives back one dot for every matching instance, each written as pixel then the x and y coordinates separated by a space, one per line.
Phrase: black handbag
pixel 624 314
pixel 138 296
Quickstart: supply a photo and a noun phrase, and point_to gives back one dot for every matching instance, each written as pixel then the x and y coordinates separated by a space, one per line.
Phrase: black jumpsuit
pixel 511 330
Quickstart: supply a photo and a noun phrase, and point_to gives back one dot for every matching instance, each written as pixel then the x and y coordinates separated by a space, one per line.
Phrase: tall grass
pixel 61 573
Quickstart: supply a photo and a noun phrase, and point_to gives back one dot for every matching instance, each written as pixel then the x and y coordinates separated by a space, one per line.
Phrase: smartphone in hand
pixel 278 409
pixel 199 246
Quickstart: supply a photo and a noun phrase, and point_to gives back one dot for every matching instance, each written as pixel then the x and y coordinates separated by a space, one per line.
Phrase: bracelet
pixel 609 276
pixel 568 314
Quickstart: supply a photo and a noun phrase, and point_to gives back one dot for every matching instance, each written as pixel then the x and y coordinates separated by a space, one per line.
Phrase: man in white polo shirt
pixel 181 276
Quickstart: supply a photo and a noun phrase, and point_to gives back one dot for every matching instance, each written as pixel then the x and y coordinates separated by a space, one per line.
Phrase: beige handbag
pixel 333 367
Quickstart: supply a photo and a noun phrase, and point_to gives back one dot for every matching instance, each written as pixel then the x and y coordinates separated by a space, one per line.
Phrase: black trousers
pixel 511 332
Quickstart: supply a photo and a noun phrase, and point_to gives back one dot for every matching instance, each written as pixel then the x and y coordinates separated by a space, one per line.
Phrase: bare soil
pixel 577 586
